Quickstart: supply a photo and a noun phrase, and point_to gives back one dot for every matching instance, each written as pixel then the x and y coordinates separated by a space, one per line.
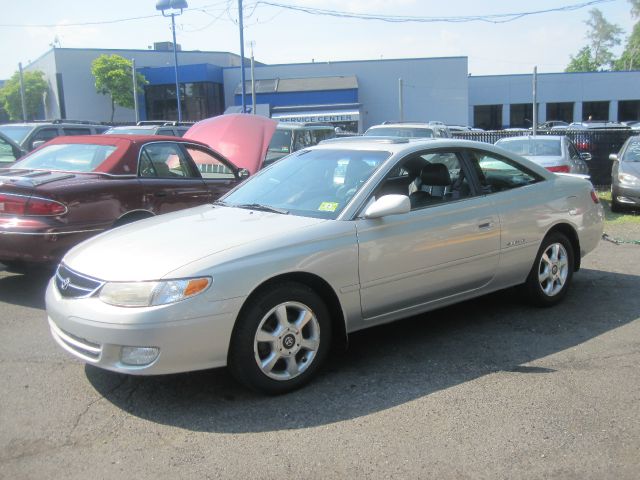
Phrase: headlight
pixel 147 294
pixel 628 179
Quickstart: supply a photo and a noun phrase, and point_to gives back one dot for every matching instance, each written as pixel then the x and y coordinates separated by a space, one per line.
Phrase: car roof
pixel 408 125
pixel 115 138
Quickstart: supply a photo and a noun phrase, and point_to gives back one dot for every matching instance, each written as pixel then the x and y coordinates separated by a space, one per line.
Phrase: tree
pixel 582 62
pixel 602 37
pixel 113 78
pixel 34 87
pixel 630 58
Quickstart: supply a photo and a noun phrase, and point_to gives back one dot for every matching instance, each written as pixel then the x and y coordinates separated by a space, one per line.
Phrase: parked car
pixel 352 233
pixel 555 153
pixel 166 130
pixel 290 137
pixel 10 151
pixel 409 130
pixel 625 176
pixel 551 124
pixel 634 124
pixel 73 188
pixel 31 135
pixel 596 125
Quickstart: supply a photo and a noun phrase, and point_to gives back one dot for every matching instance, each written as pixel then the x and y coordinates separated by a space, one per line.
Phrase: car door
pixel 443 247
pixel 578 165
pixel 169 180
pixel 218 174
pixel 518 195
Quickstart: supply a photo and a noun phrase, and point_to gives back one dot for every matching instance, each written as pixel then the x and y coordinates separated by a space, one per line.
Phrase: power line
pixel 491 18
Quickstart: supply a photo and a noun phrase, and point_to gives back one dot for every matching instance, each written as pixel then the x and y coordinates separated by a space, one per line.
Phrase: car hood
pixel 242 138
pixel 151 249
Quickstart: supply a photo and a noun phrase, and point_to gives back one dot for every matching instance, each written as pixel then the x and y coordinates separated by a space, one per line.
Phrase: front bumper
pixel 191 335
pixel 629 196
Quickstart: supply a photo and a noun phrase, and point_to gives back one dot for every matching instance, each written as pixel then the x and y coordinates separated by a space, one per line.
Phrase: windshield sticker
pixel 328 207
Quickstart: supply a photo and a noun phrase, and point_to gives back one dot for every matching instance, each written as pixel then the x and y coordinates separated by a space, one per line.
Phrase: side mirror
pixel 613 157
pixel 388 205
pixel 37 143
pixel 586 156
pixel 243 173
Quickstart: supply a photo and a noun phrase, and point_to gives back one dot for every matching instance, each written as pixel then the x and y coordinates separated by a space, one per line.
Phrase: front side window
pixel 209 166
pixel 6 152
pixel 497 173
pixel 164 160
pixel 72 157
pixel 632 154
pixel 314 183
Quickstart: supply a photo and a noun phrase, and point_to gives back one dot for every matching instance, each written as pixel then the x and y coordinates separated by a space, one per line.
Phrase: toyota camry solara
pixel 332 239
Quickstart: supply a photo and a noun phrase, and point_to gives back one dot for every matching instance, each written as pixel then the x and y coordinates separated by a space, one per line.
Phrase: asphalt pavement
pixel 486 389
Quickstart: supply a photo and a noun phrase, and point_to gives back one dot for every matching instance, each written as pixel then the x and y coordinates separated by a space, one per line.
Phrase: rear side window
pixel 76 131
pixel 498 173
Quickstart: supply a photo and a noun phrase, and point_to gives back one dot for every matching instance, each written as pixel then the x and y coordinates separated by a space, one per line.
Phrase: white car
pixel 335 238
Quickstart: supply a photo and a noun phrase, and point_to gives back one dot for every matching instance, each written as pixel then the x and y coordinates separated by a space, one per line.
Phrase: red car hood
pixel 242 138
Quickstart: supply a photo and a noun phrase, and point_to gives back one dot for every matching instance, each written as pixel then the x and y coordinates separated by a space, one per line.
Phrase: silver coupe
pixel 343 236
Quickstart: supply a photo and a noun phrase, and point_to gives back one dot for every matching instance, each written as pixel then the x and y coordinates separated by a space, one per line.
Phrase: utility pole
pixel 135 89
pixel 242 80
pixel 400 100
pixel 535 100
pixel 253 82
pixel 22 99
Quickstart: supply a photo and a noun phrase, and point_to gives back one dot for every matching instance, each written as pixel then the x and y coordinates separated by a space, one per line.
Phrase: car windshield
pixel 17 133
pixel 529 147
pixel 130 131
pixel 633 153
pixel 405 132
pixel 312 183
pixel 72 157
pixel 281 141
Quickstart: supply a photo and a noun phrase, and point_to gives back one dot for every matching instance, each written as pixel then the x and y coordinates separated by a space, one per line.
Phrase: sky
pixel 29 28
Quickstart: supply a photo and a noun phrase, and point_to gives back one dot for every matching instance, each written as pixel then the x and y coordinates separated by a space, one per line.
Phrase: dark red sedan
pixel 75 187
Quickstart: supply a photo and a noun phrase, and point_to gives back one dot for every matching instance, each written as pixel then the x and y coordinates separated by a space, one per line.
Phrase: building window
pixel 628 110
pixel 487 117
pixel 595 110
pixel 521 115
pixel 560 111
pixel 199 100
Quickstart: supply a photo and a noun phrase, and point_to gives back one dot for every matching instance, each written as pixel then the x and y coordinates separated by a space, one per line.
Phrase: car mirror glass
pixel 37 143
pixel 388 205
pixel 613 157
pixel 243 173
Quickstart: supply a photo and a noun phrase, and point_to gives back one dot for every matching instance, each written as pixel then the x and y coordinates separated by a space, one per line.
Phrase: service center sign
pixel 319 118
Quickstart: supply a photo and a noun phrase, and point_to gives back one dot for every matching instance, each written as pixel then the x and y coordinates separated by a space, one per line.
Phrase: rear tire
pixel 280 339
pixel 552 271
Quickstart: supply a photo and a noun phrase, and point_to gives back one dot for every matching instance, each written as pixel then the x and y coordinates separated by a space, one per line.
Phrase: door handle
pixel 160 194
pixel 486 226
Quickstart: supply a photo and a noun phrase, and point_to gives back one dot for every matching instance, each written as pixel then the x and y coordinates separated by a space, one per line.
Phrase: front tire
pixel 281 339
pixel 552 271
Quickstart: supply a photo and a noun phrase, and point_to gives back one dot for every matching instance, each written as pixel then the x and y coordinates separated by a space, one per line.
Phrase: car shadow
pixel 26 289
pixel 389 365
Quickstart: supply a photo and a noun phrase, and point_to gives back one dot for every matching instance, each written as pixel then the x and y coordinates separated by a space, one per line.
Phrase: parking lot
pixel 485 389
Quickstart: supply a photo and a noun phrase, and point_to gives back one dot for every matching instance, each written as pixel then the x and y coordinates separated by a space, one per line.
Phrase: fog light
pixel 139 355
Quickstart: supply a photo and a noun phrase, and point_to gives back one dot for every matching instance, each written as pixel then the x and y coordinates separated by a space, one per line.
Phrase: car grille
pixel 71 284
pixel 82 347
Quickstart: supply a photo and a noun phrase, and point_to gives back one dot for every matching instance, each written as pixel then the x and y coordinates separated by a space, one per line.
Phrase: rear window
pixel 532 148
pixel 73 157
pixel 405 132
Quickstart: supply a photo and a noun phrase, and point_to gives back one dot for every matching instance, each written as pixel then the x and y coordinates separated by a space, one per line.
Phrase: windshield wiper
pixel 263 208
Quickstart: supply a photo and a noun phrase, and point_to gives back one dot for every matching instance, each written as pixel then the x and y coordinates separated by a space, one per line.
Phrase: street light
pixel 164 5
